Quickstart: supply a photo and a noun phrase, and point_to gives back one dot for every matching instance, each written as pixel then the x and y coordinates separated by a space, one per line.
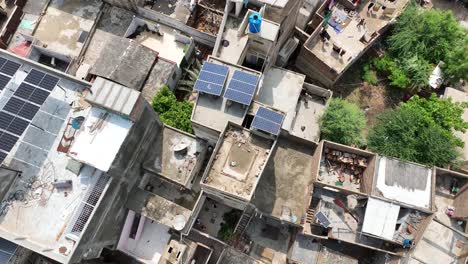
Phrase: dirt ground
pixel 373 99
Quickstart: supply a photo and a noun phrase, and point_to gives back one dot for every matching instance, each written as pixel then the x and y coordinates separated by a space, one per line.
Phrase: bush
pixel 343 123
pixel 420 130
pixel 172 112
pixel 230 219
pixel 419 40
pixel 369 75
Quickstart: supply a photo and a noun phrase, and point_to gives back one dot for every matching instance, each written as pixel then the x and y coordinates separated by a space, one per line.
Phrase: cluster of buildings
pixel 89 173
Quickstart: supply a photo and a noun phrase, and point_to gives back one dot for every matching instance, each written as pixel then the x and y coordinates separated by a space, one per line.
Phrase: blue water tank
pixel 255 22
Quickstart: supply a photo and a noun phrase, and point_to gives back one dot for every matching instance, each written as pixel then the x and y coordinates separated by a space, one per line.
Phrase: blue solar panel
pixel 270 115
pixel 245 77
pixel 241 87
pixel 323 220
pixel 268 121
pixel 207 87
pixel 215 68
pixel 10 68
pixel 265 125
pixel 212 77
pixel 7 141
pixel 239 97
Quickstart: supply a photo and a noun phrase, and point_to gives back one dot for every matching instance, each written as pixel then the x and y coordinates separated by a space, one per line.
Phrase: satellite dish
pixel 179 222
pixel 180 148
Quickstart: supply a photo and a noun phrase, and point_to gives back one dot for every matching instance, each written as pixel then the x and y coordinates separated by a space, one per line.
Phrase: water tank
pixel 255 22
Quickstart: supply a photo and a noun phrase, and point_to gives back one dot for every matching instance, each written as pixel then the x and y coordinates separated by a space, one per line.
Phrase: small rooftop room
pixel 405 182
pixel 344 167
pixel 241 46
pixel 237 163
pixel 225 92
pixel 286 183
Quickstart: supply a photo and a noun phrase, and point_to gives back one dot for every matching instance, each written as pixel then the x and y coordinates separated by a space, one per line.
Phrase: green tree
pixel 420 130
pixel 172 112
pixel 442 112
pixel 343 123
pixel 418 41
pixel 403 133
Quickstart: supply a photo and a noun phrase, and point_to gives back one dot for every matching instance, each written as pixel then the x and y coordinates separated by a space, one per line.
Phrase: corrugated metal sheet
pixel 112 96
pixel 381 218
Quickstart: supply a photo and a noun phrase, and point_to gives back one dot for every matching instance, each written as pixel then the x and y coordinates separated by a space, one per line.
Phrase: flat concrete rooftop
pixel 346 35
pixel 285 185
pixel 166 45
pixel 36 155
pixel 281 90
pixel 175 156
pixel 309 110
pixel 405 182
pixel 66 25
pixel 237 162
pixel 215 111
pixel 439 244
pixel 156 206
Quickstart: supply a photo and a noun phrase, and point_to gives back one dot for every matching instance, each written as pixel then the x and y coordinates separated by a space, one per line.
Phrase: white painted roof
pixel 380 218
pixel 408 183
pixel 98 145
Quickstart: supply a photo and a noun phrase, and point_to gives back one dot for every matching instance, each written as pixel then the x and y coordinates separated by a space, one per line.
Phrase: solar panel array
pixel 241 87
pixel 268 121
pixel 7 250
pixel 88 203
pixel 8 69
pixel 211 78
pixel 22 106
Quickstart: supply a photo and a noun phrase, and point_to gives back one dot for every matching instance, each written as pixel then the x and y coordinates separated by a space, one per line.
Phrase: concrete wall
pixel 198 36
pixel 125 172
pixel 461 203
pixel 205 133
pixel 127 4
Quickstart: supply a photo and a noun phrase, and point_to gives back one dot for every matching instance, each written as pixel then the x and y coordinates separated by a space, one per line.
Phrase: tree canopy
pixel 418 41
pixel 420 130
pixel 172 112
pixel 343 123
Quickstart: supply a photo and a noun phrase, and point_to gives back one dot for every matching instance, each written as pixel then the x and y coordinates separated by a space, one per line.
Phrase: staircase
pixel 244 220
pixel 310 216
